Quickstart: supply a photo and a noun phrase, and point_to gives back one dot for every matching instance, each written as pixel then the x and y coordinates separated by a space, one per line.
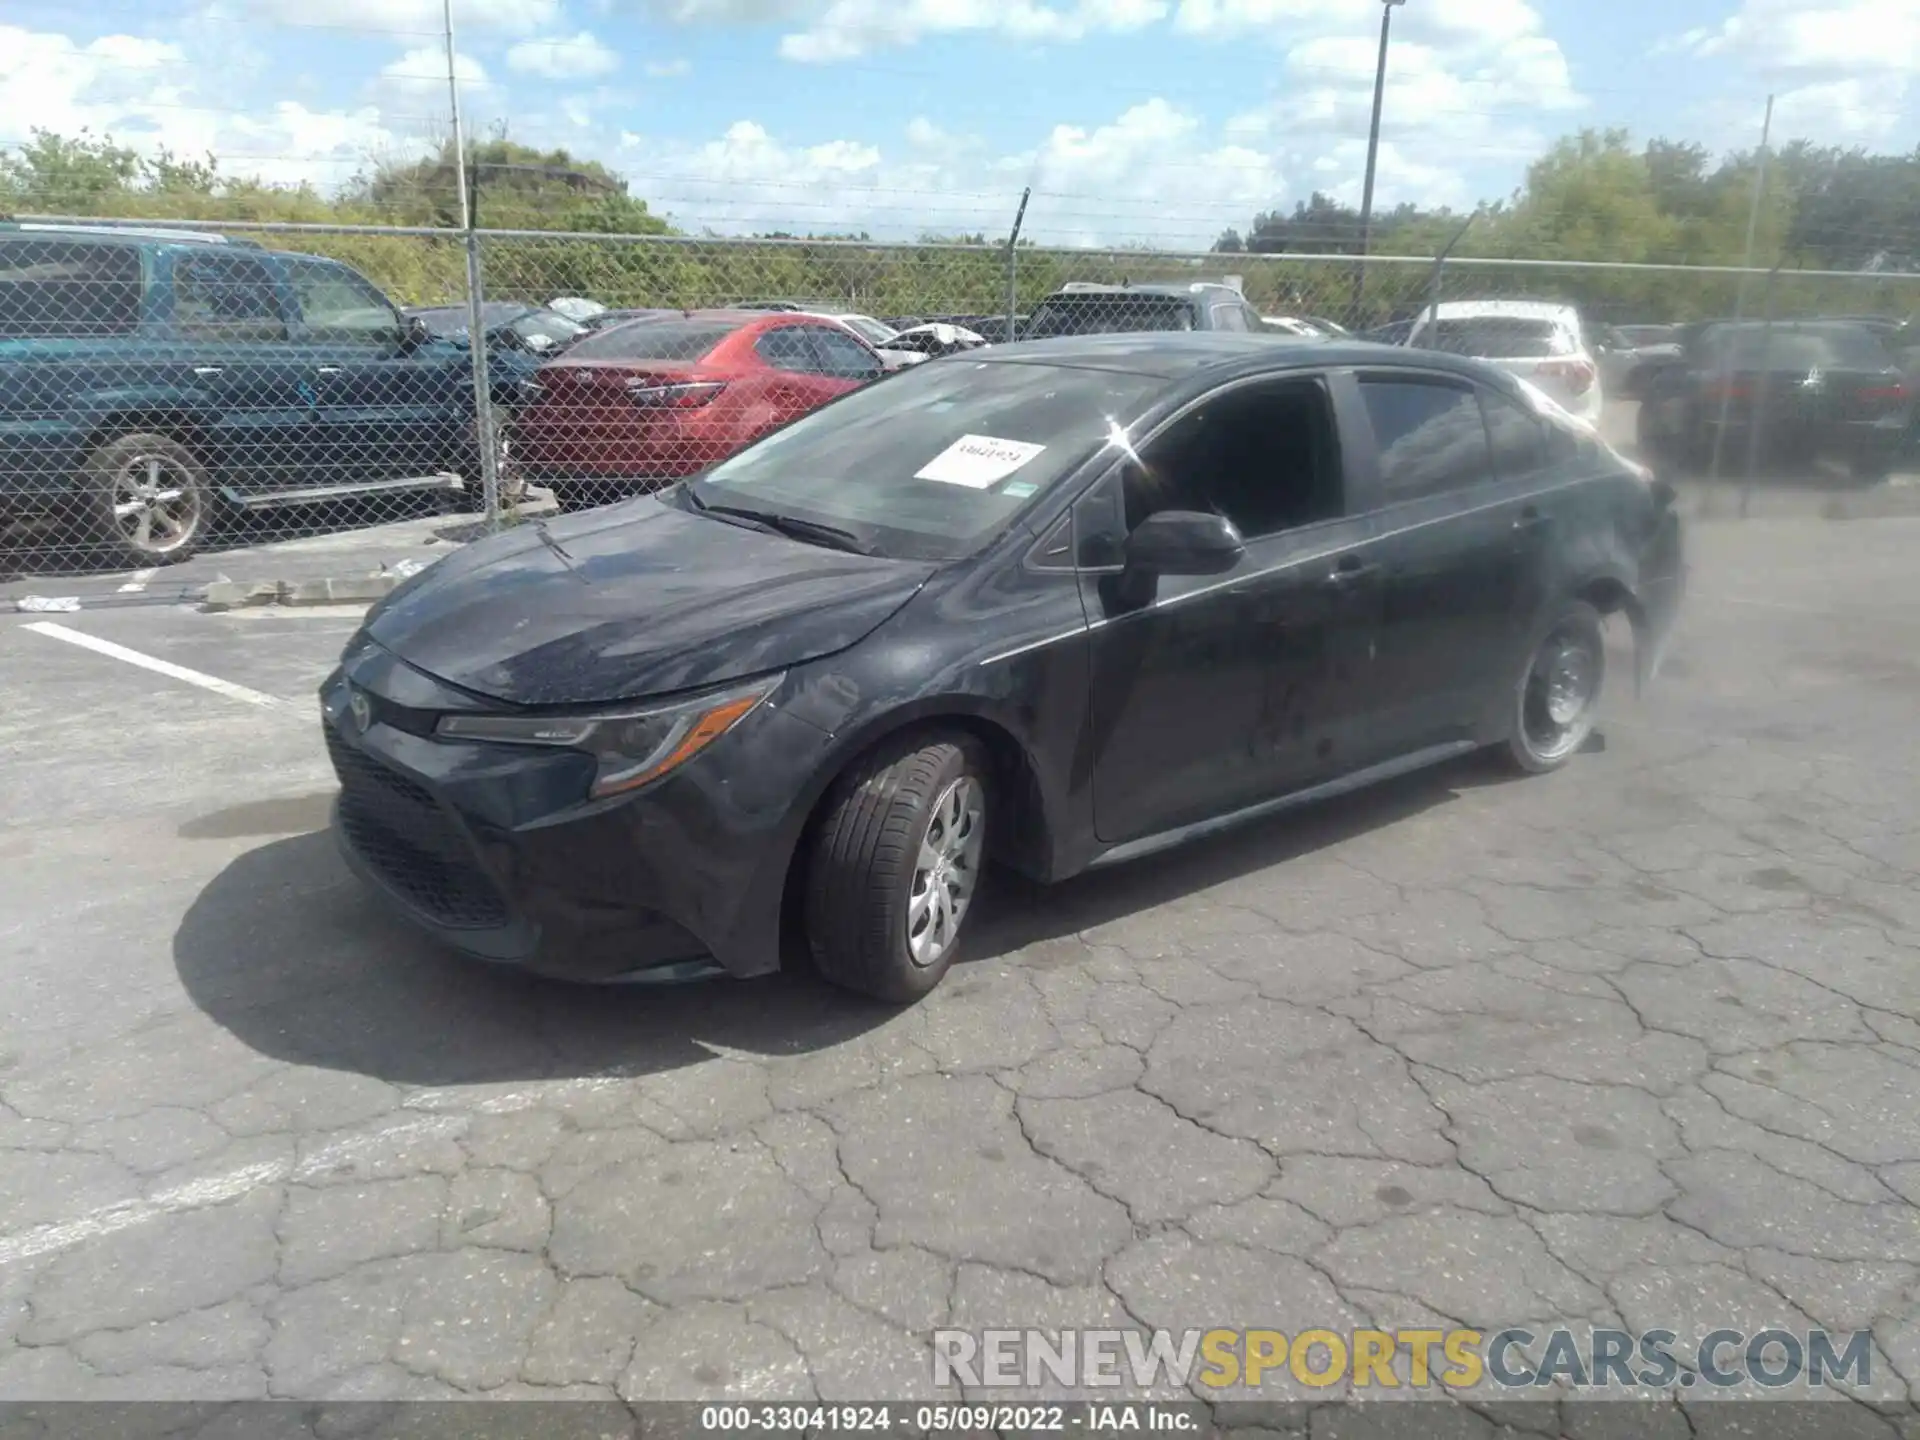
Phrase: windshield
pixel 1107 315
pixel 683 339
pixel 544 329
pixel 868 328
pixel 938 460
pixel 1500 337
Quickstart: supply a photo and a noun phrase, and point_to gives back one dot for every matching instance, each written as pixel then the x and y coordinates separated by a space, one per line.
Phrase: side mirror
pixel 414 334
pixel 1184 542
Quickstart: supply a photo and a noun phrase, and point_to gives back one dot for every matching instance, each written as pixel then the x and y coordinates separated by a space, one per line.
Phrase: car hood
pixel 637 599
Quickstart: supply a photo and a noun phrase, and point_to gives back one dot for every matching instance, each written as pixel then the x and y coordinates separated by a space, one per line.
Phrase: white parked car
pixel 877 334
pixel 1287 325
pixel 1543 343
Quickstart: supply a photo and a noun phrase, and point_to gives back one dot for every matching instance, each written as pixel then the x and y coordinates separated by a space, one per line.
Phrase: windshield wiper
pixel 812 531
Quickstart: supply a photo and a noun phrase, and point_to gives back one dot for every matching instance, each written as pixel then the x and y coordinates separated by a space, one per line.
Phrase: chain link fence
pixel 168 388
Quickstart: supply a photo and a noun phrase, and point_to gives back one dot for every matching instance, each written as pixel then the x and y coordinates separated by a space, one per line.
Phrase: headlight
pixel 632 747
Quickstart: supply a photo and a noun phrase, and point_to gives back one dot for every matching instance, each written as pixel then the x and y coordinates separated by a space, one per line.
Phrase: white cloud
pixel 1467 83
pixel 667 69
pixel 850 28
pixel 581 56
pixel 1235 17
pixel 403 19
pixel 1153 174
pixel 1844 71
pixel 1791 37
pixel 410 92
pixel 142 92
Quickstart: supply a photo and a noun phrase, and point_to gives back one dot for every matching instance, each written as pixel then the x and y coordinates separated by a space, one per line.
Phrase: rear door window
pixel 1429 435
pixel 1108 315
pixel 688 339
pixel 1498 337
pixel 226 297
pixel 786 349
pixel 841 356
pixel 68 288
pixel 341 305
pixel 1516 436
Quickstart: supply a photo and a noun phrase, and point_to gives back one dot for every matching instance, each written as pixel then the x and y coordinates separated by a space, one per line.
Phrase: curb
pixel 218 596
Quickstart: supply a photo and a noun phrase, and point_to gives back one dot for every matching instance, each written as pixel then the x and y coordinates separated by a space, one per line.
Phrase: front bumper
pixel 497 851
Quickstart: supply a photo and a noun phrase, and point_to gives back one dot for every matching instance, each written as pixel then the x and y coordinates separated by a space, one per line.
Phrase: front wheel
pixel 895 867
pixel 151 500
pixel 1557 698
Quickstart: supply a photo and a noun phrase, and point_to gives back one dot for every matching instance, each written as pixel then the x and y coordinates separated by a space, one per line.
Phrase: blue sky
pixel 1134 120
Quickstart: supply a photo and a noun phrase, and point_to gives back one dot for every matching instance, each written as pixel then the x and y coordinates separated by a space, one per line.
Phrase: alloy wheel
pixel 946 872
pixel 1562 688
pixel 157 504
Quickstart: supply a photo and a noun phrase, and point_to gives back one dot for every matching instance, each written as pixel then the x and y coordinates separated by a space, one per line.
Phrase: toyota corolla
pixel 1055 606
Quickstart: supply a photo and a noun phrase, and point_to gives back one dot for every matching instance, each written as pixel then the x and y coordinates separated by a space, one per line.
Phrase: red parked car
pixel 643 404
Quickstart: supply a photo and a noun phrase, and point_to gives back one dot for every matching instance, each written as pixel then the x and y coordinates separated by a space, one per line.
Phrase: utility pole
pixel 1740 295
pixel 1013 268
pixel 1373 153
pixel 483 430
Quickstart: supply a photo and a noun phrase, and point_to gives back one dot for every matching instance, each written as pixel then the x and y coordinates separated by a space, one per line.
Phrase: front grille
pixel 405 836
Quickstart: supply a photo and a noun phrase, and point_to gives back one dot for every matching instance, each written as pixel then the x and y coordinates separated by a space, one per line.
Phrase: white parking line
pixel 215 1190
pixel 158 666
pixel 449 1113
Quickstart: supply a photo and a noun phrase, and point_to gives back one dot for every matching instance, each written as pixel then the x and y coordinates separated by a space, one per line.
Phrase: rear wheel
pixel 895 867
pixel 1557 698
pixel 473 495
pixel 150 500
pixel 1872 468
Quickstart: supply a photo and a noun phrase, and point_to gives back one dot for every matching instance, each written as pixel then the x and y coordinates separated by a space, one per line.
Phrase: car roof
pixel 1186 354
pixel 1186 291
pixel 124 234
pixel 1500 309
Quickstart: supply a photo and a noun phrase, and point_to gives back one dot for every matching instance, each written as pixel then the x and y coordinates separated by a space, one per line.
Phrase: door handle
pixel 209 369
pixel 328 370
pixel 1530 519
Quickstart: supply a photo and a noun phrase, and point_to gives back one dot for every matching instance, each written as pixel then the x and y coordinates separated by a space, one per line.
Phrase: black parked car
pixel 529 329
pixel 607 319
pixel 1057 605
pixel 1114 309
pixel 1811 389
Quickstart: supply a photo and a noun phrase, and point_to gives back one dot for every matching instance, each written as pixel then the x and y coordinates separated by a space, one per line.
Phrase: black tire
pixel 1871 469
pixel 1538 739
pixel 149 500
pixel 472 496
pixel 864 865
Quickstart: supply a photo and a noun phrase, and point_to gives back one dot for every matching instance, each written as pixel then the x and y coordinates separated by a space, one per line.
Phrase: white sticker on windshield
pixel 978 461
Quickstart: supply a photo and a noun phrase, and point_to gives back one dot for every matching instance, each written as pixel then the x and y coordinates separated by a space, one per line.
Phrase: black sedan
pixel 1055 605
pixel 1784 394
pixel 528 329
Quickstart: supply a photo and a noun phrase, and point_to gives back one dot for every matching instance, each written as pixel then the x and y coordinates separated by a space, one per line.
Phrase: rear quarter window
pixel 1108 315
pixel 68 288
pixel 655 340
pixel 1499 337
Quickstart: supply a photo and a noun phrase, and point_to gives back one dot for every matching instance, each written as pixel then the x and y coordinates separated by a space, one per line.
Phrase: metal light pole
pixel 483 418
pixel 1373 151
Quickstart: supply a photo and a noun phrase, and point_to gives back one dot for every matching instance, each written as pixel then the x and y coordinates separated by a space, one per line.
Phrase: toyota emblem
pixel 362 710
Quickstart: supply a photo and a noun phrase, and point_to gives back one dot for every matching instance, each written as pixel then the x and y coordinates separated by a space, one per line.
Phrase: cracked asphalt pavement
pixel 1633 1044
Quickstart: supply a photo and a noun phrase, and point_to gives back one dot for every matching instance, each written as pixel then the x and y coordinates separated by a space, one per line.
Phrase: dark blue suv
pixel 150 378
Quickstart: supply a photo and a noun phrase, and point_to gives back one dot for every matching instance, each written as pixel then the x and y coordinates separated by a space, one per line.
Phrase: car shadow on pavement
pixel 1018 913
pixel 286 951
